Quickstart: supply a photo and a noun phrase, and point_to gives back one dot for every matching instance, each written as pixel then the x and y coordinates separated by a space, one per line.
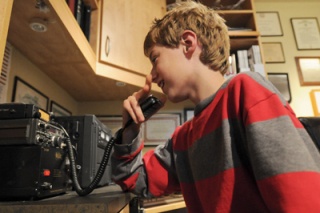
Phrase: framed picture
pixel 59 110
pixel 273 52
pixel 188 113
pixel 114 123
pixel 306 33
pixel 27 94
pixel 269 24
pixel 308 70
pixel 159 128
pixel 281 82
pixel 315 101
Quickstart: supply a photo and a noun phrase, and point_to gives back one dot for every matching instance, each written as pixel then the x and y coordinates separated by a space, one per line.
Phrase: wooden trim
pixel 314 101
pixel 166 207
pixel 5 11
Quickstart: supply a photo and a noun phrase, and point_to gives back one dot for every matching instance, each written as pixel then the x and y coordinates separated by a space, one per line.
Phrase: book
pixel 78 11
pixel 243 63
pixel 86 21
pixel 72 5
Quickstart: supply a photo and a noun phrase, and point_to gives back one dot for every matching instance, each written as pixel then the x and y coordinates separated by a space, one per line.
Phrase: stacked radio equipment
pixel 43 155
pixel 33 155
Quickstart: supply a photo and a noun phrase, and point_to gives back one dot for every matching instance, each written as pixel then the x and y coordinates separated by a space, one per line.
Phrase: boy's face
pixel 171 71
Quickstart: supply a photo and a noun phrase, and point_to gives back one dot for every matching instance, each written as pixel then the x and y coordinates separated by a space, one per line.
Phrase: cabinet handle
pixel 107 46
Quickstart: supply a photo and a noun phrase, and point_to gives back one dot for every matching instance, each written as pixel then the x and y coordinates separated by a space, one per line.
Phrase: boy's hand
pixel 131 107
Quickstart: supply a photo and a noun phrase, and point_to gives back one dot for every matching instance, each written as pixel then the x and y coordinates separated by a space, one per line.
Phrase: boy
pixel 243 151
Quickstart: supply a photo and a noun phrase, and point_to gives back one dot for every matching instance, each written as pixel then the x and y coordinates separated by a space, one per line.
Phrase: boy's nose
pixel 153 74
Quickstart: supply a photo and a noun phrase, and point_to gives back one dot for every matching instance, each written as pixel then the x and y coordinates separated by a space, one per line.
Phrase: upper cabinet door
pixel 123 27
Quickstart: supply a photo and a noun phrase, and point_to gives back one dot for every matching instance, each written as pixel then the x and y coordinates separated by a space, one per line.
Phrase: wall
pixel 27 71
pixel 287 9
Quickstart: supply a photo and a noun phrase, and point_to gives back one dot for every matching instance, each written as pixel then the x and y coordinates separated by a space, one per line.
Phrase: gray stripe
pixel 269 154
pixel 164 154
pixel 208 156
pixel 255 76
pixel 266 84
pixel 290 152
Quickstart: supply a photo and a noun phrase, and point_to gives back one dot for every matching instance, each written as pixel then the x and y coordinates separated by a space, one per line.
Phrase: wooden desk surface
pixel 109 199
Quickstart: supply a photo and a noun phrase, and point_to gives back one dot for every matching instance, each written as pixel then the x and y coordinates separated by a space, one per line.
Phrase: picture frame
pixel 159 128
pixel 281 82
pixel 306 33
pixel 188 113
pixel 315 101
pixel 269 24
pixel 23 92
pixel 59 110
pixel 273 52
pixel 308 68
pixel 113 122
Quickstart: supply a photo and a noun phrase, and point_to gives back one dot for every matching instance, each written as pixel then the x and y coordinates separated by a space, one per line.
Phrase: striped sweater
pixel 243 151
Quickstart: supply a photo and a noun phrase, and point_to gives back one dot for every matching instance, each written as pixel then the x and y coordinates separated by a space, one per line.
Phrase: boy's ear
pixel 189 40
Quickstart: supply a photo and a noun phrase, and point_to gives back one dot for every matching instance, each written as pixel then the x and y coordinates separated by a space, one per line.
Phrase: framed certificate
pixel 159 128
pixel 308 70
pixel 281 82
pixel 273 52
pixel 23 92
pixel 306 32
pixel 269 23
pixel 59 110
pixel 114 123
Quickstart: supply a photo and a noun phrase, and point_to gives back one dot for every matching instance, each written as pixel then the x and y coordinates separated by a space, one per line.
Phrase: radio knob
pixel 56 140
pixel 39 139
pixel 46 186
pixel 42 125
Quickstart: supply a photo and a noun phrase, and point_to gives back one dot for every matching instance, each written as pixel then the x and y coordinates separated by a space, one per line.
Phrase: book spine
pixel 86 21
pixel 78 11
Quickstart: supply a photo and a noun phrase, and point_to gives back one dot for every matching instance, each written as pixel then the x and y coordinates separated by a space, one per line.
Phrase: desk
pixel 109 199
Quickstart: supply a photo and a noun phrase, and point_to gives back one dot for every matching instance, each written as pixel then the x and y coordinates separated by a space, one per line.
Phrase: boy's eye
pixel 153 59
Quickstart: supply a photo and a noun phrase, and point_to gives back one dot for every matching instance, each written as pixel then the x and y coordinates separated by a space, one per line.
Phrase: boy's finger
pixel 145 91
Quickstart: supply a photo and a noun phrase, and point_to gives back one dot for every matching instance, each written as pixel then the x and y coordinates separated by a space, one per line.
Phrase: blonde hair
pixel 209 27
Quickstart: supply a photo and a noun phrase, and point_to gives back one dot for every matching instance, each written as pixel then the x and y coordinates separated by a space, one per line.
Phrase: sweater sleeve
pixel 151 175
pixel 284 160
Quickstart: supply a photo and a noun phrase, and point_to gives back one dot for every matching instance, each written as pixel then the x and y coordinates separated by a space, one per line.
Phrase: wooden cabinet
pixel 123 27
pixel 63 52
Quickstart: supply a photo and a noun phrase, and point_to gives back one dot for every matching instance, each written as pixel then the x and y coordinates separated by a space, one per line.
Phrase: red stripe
pixel 129 183
pixel 159 181
pixel 292 192
pixel 230 191
pixel 189 136
pixel 263 111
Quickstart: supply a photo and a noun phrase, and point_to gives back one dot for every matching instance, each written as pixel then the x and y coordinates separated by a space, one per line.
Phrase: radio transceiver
pixel 29 132
pixel 33 158
pixel 20 110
